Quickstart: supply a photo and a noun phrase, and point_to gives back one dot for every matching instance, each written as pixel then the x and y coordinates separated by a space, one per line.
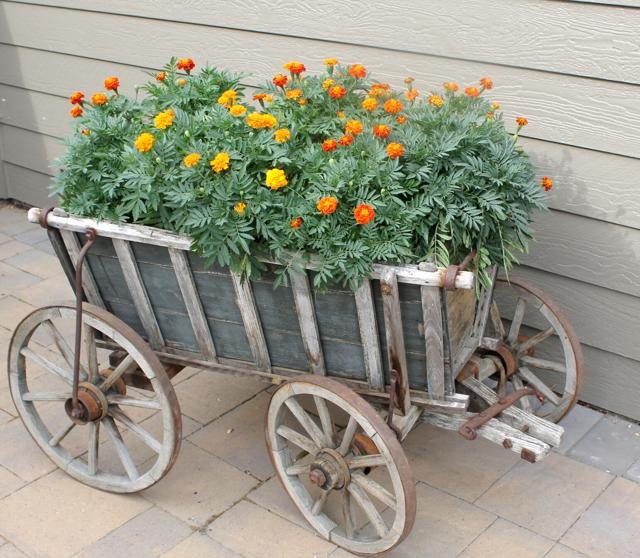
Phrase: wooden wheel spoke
pixel 523 402
pixel 496 320
pixel 362 461
pixel 63 373
pixel 306 422
pixel 535 382
pixel 127 364
pixel 129 401
pixel 92 354
pixel 93 445
pixel 348 514
pixel 347 437
pixel 136 429
pixel 533 341
pixel 45 396
pixel 516 322
pixel 63 347
pixel 328 427
pixel 298 469
pixel 318 505
pixel 121 448
pixel 376 490
pixel 545 364
pixel 298 439
pixel 61 434
pixel 369 509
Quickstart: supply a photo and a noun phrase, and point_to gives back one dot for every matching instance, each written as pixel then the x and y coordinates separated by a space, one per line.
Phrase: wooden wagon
pixel 355 371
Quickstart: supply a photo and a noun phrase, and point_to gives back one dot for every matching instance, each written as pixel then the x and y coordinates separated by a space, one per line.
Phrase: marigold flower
pixel 76 98
pixel 191 160
pixel 340 114
pixel 85 132
pixel 327 205
pixel 521 121
pixel 276 179
pixel 471 91
pixel 409 79
pixel 259 96
pixel 337 92
pixel 268 98
pixel 76 111
pixel 295 222
pixel 357 71
pixel 436 100
pixel 491 115
pixel 346 140
pixel 369 103
pixel 330 61
pixel 164 119
pixel 182 82
pixel 186 64
pixel 401 119
pixel 411 94
pixel 364 214
pixel 329 145
pixel 294 67
pixel 302 101
pixel 380 89
pixel 220 162
pixel 451 86
pixel 280 80
pixel 144 142
pixel 282 135
pixel 237 110
pixel 240 207
pixel 353 127
pixel 546 183
pixel 98 99
pixel 487 83
pixel 495 105
pixel 259 120
pixel 293 94
pixel 327 83
pixel 393 106
pixel 395 150
pixel 227 98
pixel 112 83
pixel 161 76
pixel 381 131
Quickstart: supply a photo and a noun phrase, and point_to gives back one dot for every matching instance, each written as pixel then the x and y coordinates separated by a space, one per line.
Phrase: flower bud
pixel 158 160
pixel 187 133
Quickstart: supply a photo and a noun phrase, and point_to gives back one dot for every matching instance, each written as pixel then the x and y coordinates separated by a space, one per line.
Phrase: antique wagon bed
pixel 356 371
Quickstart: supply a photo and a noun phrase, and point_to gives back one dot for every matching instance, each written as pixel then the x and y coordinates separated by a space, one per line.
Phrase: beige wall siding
pixel 573 68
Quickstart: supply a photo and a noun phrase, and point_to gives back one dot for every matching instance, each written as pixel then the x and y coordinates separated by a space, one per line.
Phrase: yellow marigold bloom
pixel 327 83
pixel 259 120
pixel 182 82
pixel 240 207
pixel 436 101
pixel 227 98
pixel 276 179
pixel 164 119
pixel 353 127
pixel 144 142
pixel 293 94
pixel 340 114
pixel 330 61
pixel 495 105
pixel 411 94
pixel 220 162
pixel 369 103
pixel 282 135
pixel 86 132
pixel 268 98
pixel 237 110
pixel 191 160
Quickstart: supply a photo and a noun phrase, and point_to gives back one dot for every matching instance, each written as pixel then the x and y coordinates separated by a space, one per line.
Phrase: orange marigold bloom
pixel 276 179
pixel 411 94
pixel 364 214
pixel 259 120
pixel 393 106
pixel 327 83
pixel 547 183
pixel 346 140
pixel 182 82
pixel 369 103
pixel 329 145
pixel 401 119
pixel 161 76
pixel 282 135
pixel 451 86
pixel 353 127
pixel 486 82
pixel 76 98
pixel 357 71
pixel 471 92
pixel 240 207
pixel 521 121
pixel 395 150
pixel 340 114
pixel 381 131
pixel 495 105
pixel 379 89
pixel 295 223
pixel 436 100
pixel 98 99
pixel 112 83
pixel 491 115
pixel 337 92
pixel 76 111
pixel 330 61
pixel 237 110
pixel 294 94
pixel 186 64
pixel 327 205
pixel 294 67
pixel 220 162
pixel 164 119
pixel 192 160
pixel 259 96
pixel 280 80
pixel 144 142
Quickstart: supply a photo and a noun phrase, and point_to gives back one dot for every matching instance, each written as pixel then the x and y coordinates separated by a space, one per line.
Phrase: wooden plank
pixel 251 318
pixel 432 323
pixel 528 33
pixel 541 96
pixel 28 186
pixel 307 320
pixel 193 304
pixel 138 293
pixel 30 149
pixel 369 335
pixel 89 285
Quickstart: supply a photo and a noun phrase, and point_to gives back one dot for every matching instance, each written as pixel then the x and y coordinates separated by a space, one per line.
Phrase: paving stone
pixel 633 472
pixel 36 263
pixel 545 497
pixel 272 496
pixel 199 487
pixel 52 290
pixel 207 395
pixel 11 248
pixel 504 538
pixel 610 528
pixel 13 221
pixel 253 532
pixel 147 535
pixel 4 237
pixel 5 417
pixel 576 424
pixel 12 278
pixel 12 311
pixel 10 551
pixel 612 445
pixel 8 483
pixel 33 236
pixel 445 460
pixel 238 437
pixel 201 545
pixel 57 516
pixel 561 551
pixel 45 246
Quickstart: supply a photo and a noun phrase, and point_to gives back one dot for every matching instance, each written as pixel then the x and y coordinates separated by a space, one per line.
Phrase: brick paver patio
pixel 222 500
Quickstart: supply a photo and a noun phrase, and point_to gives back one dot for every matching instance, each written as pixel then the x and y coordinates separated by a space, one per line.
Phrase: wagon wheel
pixel 111 446
pixel 341 464
pixel 539 348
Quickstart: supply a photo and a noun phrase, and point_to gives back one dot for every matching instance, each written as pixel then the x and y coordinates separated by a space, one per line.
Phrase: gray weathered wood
pixel 369 335
pixel 432 323
pixel 88 282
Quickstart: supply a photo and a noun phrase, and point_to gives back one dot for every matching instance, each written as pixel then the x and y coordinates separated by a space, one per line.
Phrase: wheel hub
pixel 91 407
pixel 330 470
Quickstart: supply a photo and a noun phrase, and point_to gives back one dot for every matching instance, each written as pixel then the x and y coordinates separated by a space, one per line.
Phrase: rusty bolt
pixel 507 444
pixel 385 288
pixel 317 477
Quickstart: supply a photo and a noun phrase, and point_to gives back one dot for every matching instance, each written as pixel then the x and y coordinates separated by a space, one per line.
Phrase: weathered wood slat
pixel 88 282
pixel 193 303
pixel 138 292
pixel 432 323
pixel 369 335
